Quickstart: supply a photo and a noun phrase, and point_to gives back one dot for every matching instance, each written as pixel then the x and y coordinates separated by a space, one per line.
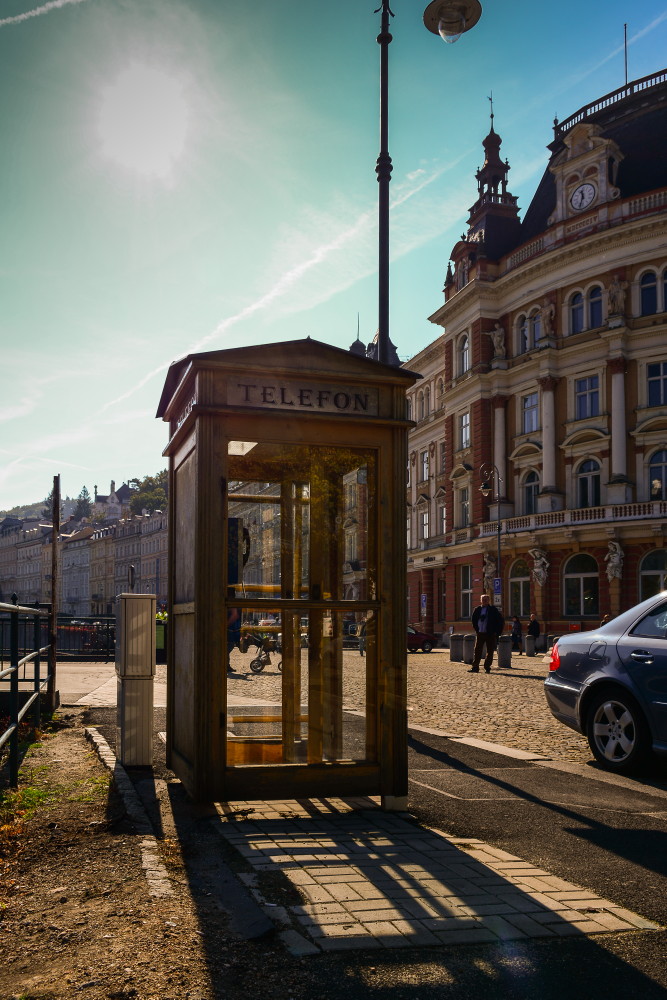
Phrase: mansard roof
pixel 634 117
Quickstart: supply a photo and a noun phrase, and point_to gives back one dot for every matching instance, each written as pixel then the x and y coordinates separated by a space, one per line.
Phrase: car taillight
pixel 554 662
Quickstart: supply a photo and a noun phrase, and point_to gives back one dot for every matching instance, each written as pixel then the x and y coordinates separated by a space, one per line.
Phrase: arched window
pixel 653 574
pixel 420 406
pixel 534 328
pixel 408 408
pixel 520 589
pixel 427 401
pixel 595 307
pixel 657 475
pixel 576 313
pixel 441 393
pixel 588 484
pixel 581 586
pixel 664 290
pixel 464 354
pixel 531 486
pixel 648 294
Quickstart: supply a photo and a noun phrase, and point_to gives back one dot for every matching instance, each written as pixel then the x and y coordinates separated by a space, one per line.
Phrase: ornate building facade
pixel 540 435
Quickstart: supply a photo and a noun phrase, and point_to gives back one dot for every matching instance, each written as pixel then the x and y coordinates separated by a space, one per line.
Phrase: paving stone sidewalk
pixel 379 880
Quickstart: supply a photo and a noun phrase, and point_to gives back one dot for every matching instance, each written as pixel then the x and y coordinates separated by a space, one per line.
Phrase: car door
pixel 643 654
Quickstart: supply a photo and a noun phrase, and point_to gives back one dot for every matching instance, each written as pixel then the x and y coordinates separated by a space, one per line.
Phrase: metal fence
pixel 87 638
pixel 19 702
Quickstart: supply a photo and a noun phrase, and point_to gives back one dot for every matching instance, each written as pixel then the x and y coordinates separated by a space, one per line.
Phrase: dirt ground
pixel 76 916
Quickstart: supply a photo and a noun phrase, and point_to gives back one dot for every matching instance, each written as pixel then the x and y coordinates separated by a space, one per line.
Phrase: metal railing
pixel 78 638
pixel 10 679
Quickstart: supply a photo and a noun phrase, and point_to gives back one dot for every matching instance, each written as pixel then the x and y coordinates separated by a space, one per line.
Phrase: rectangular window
pixel 442 519
pixel 529 413
pixel 464 507
pixel 423 523
pixel 464 430
pixel 465 590
pixel 657 383
pixel 424 466
pixel 443 456
pixel 408 531
pixel 587 397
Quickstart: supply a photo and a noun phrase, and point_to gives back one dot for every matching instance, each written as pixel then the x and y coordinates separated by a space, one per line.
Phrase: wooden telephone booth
pixel 287 506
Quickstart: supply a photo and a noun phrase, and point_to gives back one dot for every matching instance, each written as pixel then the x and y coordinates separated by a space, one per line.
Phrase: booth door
pixel 302 617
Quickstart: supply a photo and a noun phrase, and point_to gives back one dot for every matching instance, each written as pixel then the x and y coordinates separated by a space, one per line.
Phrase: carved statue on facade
pixel 548 312
pixel 490 570
pixel 616 296
pixel 614 561
pixel 497 335
pixel 540 566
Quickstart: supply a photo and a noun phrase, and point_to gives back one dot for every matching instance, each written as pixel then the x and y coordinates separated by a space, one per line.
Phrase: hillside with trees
pixel 151 495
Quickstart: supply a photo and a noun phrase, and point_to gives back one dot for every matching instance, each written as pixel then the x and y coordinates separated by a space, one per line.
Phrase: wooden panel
pixel 182 736
pixel 297 781
pixel 184 509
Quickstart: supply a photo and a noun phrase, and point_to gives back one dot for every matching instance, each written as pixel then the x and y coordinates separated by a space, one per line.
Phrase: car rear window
pixel 654 624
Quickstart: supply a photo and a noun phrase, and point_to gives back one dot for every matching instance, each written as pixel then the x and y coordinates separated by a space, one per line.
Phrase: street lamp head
pixel 485 489
pixel 451 18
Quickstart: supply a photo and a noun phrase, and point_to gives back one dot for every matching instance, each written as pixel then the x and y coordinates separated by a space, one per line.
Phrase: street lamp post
pixel 491 481
pixel 449 19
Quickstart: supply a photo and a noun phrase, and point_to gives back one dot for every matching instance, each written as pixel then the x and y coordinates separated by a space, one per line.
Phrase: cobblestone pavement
pixel 506 706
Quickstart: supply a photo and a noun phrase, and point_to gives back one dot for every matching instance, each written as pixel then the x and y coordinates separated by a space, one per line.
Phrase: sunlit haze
pixel 143 120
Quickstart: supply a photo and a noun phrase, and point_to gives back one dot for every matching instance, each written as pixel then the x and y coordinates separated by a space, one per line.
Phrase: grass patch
pixel 92 790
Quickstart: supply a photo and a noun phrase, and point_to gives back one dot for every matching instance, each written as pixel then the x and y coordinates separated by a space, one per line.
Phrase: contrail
pixel 46 8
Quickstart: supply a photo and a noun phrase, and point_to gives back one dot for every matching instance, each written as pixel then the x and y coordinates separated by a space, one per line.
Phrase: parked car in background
pixel 611 685
pixel 420 640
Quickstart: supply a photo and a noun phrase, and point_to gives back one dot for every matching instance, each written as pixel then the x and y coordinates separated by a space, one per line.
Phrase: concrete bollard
pixel 504 650
pixel 456 647
pixel 469 647
pixel 530 645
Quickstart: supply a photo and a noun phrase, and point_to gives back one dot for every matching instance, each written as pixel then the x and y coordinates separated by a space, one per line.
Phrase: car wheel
pixel 617 732
pixel 427 647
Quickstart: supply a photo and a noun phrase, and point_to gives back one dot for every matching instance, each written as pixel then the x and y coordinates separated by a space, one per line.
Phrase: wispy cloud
pixel 330 260
pixel 46 8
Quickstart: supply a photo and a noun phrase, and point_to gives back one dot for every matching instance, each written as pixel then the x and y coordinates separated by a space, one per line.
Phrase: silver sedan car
pixel 611 685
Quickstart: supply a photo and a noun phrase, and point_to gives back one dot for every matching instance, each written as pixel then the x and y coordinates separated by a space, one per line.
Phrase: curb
pixel 159 883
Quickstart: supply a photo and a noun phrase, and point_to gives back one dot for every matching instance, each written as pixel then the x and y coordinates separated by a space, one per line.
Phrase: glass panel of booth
pixel 301 603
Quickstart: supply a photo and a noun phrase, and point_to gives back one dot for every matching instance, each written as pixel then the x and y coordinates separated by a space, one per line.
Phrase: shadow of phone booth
pixel 287 506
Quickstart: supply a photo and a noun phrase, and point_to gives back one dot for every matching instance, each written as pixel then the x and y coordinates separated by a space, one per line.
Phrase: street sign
pixel 423 605
pixel 497 585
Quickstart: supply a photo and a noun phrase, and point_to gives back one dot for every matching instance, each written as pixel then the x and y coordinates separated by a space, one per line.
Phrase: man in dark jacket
pixel 488 624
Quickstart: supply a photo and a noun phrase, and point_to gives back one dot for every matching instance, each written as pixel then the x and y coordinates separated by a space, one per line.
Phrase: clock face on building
pixel 582 196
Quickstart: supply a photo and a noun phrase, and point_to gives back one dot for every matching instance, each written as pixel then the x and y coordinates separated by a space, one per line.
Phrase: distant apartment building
pixel 75 573
pixel 127 555
pixel 29 548
pixel 10 532
pixel 154 555
pixel 102 545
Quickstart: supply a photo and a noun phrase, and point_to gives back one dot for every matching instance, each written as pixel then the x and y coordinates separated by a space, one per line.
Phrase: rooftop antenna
pixel 625 49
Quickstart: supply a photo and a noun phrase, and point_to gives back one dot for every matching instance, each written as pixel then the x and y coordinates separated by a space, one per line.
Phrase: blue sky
pixel 186 175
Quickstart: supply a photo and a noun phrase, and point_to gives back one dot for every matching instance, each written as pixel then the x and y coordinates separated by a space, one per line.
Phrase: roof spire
pixel 490 100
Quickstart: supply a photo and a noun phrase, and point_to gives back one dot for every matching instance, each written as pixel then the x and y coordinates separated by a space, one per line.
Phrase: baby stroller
pixel 264 646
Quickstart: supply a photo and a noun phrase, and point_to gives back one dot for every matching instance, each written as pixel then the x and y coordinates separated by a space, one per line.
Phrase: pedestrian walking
pixel 533 627
pixel 362 638
pixel 488 624
pixel 517 635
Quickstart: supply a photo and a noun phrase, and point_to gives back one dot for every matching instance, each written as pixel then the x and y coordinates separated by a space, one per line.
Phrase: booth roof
pixel 291 357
